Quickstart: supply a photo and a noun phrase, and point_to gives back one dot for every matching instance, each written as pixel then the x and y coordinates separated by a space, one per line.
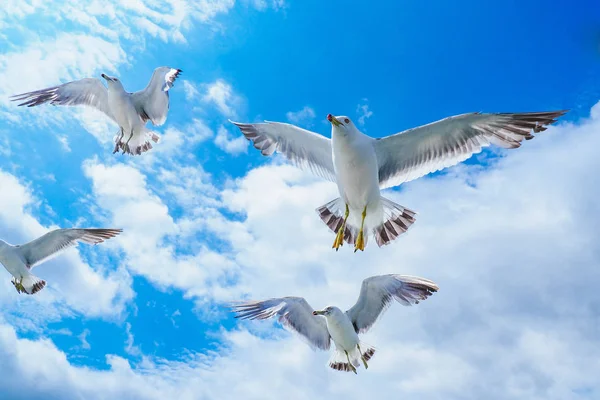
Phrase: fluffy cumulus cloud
pixel 166 20
pixel 363 112
pixel 305 116
pixel 511 246
pixel 230 144
pixel 221 95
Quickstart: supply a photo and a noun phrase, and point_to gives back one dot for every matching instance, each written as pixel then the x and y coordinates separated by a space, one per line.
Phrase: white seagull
pixel 362 166
pixel 376 295
pixel 130 111
pixel 19 260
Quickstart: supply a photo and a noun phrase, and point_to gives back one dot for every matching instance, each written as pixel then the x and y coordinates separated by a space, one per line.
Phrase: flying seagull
pixel 362 166
pixel 376 295
pixel 19 260
pixel 130 111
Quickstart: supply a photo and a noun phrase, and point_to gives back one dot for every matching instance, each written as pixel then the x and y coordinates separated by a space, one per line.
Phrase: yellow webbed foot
pixel 339 238
pixel 359 244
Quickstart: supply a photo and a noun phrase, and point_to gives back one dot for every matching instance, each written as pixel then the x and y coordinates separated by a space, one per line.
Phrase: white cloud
pixel 191 92
pixel 265 4
pixel 64 141
pixel 305 116
pixel 167 20
pixel 150 238
pixel 225 142
pixel 85 345
pixel 363 112
pixel 222 95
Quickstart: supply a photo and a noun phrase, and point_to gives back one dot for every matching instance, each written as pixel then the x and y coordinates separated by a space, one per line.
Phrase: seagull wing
pixel 305 149
pixel 152 103
pixel 56 241
pixel 294 313
pixel 377 293
pixel 87 92
pixel 416 152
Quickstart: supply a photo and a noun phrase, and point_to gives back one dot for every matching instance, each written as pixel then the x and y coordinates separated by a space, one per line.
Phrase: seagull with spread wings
pixel 131 111
pixel 376 295
pixel 19 260
pixel 362 166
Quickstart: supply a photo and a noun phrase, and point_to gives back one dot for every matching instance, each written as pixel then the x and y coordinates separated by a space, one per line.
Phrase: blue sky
pixel 207 220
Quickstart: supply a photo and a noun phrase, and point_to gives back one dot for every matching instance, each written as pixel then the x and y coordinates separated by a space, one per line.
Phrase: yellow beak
pixel 333 120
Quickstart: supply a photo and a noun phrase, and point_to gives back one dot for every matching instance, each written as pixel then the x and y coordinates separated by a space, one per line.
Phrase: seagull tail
pixel 339 360
pixel 138 144
pixel 396 220
pixel 32 284
pixel 332 214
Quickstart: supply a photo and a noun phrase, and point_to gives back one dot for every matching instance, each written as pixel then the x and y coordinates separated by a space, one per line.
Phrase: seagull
pixel 130 111
pixel 362 166
pixel 376 295
pixel 19 260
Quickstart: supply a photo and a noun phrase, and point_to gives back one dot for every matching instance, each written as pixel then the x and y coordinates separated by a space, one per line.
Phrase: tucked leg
pixel 118 143
pixel 126 145
pixel 359 244
pixel 18 286
pixel 339 237
pixel 362 357
pixel 349 363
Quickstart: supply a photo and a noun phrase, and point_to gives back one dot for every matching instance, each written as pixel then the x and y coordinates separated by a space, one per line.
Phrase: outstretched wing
pixel 152 103
pixel 294 313
pixel 416 152
pixel 305 149
pixel 52 243
pixel 377 293
pixel 86 92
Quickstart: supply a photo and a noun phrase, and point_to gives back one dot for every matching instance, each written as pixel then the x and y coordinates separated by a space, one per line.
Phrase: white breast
pixel 342 332
pixel 123 110
pixel 355 165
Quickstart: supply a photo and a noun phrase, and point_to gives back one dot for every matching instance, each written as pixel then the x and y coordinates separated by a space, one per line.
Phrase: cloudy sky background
pixel 510 237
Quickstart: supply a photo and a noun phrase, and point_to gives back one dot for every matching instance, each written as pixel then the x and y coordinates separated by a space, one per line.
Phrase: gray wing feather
pixel 378 292
pixel 294 313
pixel 56 241
pixel 87 92
pixel 416 152
pixel 152 103
pixel 305 149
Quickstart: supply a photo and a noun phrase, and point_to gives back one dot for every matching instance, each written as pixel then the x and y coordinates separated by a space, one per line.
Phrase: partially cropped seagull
pixel 19 260
pixel 362 166
pixel 130 111
pixel 376 295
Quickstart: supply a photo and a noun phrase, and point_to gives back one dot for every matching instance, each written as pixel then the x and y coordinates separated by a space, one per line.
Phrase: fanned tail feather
pixel 397 220
pixel 339 361
pixel 33 284
pixel 139 143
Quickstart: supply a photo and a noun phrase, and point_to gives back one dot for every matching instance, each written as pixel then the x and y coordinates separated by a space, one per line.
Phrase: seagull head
pixel 341 124
pixel 327 311
pixel 111 80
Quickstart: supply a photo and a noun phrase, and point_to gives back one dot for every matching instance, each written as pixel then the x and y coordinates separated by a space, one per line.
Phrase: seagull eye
pixel 347 120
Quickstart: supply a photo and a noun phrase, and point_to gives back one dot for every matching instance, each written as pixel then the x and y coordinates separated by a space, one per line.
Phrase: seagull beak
pixel 333 120
pixel 105 77
pixel 318 312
